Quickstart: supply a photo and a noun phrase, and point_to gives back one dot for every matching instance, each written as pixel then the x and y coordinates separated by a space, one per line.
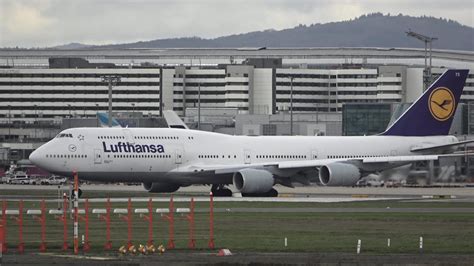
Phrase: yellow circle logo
pixel 441 103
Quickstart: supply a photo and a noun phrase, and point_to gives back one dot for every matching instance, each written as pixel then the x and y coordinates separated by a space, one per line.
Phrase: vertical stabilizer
pixel 104 120
pixel 432 113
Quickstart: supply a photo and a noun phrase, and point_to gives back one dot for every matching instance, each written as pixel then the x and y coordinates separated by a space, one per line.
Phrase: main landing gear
pixel 271 193
pixel 221 191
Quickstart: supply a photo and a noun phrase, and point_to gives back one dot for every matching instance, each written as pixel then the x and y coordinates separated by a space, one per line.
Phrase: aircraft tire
pixel 224 192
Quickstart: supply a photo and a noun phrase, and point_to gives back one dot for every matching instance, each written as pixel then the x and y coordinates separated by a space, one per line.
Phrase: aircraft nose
pixel 35 157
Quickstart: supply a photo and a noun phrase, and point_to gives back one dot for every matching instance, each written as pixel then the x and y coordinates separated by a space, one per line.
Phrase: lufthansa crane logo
pixel 441 103
pixel 72 148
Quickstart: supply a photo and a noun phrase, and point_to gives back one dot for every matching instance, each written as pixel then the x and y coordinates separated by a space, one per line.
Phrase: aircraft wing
pixel 301 171
pixel 358 161
pixel 225 169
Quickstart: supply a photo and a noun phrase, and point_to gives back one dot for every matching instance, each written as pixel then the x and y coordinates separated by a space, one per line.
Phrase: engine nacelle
pixel 253 181
pixel 339 174
pixel 160 187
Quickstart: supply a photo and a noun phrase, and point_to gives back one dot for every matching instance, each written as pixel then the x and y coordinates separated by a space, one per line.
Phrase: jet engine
pixel 339 174
pixel 160 187
pixel 253 181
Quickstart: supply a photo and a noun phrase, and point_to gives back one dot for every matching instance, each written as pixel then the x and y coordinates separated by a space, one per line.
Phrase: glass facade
pixel 365 119
pixel 468 119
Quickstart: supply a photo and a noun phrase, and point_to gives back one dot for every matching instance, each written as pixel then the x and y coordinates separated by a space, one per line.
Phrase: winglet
pixel 432 113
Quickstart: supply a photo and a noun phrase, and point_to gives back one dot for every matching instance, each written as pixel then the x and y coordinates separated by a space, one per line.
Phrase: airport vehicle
pixel 20 178
pixel 53 180
pixel 164 159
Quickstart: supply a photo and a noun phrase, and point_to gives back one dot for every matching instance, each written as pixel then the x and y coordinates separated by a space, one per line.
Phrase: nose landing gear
pixel 221 191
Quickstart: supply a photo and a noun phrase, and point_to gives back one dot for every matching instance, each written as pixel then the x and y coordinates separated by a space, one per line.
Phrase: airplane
pixel 165 159
pixel 104 120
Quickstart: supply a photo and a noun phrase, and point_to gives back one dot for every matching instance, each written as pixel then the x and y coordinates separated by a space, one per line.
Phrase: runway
pixel 344 210
pixel 283 191
pixel 312 194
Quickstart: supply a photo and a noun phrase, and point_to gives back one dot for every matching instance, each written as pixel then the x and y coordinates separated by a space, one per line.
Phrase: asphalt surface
pixel 238 258
pixel 284 191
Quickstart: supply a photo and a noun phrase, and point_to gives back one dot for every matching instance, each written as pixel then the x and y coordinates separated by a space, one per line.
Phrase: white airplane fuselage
pixel 158 154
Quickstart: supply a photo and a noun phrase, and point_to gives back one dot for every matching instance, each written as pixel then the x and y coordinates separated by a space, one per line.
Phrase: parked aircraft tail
pixel 104 120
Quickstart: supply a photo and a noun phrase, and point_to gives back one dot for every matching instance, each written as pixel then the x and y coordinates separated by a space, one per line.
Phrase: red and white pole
pixel 108 243
pixel 3 229
pixel 21 244
pixel 170 218
pixel 149 218
pixel 128 219
pixel 42 220
pixel 63 219
pixel 76 217
pixel 190 217
pixel 211 221
pixel 86 246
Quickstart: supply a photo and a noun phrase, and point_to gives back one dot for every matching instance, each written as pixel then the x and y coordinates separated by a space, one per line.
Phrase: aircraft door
pixel 179 156
pixel 247 157
pixel 314 154
pixel 129 136
pixel 97 156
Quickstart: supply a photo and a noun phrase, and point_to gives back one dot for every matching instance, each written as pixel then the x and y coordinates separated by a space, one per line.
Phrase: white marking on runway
pixel 247 199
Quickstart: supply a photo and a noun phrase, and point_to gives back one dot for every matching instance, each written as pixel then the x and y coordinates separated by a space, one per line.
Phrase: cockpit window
pixel 64 135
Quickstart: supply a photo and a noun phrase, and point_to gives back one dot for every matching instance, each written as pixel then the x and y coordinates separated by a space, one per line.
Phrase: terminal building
pixel 252 91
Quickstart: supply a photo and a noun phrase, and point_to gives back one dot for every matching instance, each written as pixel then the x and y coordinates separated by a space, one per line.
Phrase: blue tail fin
pixel 432 113
pixel 104 120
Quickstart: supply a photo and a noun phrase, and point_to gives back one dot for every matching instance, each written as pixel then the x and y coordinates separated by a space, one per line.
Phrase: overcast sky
pixel 39 23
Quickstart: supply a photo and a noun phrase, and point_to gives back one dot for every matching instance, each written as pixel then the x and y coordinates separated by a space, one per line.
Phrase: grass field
pixel 444 233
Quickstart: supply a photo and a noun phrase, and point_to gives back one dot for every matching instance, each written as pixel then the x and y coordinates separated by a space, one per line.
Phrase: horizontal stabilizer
pixel 435 147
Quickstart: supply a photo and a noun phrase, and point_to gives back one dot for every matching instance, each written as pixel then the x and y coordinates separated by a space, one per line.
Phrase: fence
pixel 104 225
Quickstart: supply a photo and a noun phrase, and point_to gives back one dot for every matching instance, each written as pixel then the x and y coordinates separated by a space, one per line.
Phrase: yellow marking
pixel 360 196
pixel 441 103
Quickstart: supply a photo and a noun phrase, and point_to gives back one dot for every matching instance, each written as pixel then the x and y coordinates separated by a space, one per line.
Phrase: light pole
pixel 428 42
pixel 199 106
pixel 9 122
pixel 291 105
pixel 111 81
pixel 133 113
pixel 35 120
pixel 69 119
pixel 97 113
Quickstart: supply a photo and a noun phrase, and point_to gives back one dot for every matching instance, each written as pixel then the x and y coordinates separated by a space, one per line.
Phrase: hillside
pixel 373 30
